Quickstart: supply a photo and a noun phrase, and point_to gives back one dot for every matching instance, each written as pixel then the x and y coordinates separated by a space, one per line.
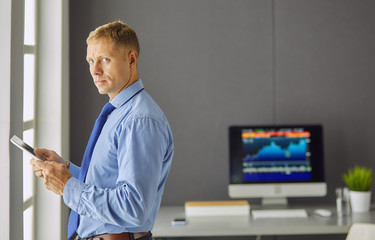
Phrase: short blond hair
pixel 120 34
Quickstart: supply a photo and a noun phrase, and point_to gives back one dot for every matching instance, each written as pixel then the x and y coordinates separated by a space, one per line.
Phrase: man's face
pixel 109 66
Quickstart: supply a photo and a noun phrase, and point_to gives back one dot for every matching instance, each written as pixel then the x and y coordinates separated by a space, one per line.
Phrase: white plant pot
pixel 360 201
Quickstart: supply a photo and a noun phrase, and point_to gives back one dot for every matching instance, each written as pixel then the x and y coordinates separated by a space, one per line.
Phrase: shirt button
pixel 89 215
pixel 70 204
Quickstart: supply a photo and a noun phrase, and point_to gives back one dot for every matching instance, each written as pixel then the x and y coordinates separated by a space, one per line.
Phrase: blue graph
pixel 274 150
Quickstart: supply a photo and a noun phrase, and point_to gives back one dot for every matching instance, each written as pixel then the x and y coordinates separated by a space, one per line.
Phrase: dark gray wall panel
pixel 213 63
pixel 325 74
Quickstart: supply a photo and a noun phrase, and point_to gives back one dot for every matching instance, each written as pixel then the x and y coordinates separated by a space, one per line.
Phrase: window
pixel 28 210
pixel 29 83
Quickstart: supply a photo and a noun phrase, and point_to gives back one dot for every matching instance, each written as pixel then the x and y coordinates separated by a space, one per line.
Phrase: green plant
pixel 358 179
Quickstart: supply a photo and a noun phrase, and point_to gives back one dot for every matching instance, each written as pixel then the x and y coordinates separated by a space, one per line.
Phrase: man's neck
pixel 125 86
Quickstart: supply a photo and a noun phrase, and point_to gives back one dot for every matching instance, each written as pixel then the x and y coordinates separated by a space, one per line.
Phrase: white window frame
pixel 10 119
pixel 52 124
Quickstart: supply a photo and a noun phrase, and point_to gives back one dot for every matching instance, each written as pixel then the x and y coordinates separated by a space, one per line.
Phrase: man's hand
pixel 45 155
pixel 48 155
pixel 52 170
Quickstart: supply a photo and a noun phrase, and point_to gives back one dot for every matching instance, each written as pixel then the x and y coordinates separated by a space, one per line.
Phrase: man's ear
pixel 133 58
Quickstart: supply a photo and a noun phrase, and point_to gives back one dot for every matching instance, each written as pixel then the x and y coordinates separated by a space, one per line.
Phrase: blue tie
pixel 107 109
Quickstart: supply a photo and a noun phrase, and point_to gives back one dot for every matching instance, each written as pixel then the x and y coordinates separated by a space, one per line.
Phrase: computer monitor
pixel 275 162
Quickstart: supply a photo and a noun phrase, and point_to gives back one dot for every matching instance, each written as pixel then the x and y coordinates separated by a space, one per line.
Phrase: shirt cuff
pixel 74 170
pixel 72 193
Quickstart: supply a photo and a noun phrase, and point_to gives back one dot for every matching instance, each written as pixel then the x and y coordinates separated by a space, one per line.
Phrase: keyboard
pixel 279 213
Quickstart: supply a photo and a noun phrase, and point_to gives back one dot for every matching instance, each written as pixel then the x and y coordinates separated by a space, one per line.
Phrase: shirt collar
pixel 126 94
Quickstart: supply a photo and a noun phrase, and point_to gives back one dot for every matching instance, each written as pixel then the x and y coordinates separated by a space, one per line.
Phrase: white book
pixel 217 208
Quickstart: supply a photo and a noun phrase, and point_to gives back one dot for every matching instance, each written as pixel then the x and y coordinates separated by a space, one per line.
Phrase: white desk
pixel 246 226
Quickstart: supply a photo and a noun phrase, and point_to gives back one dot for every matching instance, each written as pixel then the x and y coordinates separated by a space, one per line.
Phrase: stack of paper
pixel 217 208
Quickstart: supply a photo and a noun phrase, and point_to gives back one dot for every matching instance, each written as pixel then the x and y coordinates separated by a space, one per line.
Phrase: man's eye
pixel 91 61
pixel 105 59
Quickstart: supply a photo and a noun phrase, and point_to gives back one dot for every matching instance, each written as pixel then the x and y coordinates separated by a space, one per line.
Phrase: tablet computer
pixel 24 146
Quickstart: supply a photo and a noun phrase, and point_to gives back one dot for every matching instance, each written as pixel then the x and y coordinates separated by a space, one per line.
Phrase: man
pixel 120 195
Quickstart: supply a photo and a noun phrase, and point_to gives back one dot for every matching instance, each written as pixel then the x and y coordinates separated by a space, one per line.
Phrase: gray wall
pixel 214 63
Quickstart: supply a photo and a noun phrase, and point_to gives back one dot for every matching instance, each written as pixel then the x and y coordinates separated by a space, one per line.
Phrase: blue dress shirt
pixel 128 169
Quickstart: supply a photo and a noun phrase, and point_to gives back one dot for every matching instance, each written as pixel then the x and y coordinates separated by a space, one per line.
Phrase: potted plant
pixel 359 181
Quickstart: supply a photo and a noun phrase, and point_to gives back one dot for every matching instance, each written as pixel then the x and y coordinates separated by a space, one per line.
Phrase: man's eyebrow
pixel 89 58
pixel 93 58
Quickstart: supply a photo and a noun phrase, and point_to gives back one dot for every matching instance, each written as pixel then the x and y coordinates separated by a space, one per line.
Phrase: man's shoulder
pixel 142 106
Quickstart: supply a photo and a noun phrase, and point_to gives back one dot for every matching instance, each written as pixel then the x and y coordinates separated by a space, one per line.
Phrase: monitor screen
pixel 276 154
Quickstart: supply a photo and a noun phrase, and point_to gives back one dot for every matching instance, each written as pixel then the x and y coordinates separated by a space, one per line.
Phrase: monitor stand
pixel 282 201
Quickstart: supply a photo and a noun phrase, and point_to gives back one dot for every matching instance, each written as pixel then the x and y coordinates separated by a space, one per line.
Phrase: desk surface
pixel 247 226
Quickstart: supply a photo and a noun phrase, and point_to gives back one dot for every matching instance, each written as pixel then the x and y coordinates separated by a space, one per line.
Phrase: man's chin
pixel 102 91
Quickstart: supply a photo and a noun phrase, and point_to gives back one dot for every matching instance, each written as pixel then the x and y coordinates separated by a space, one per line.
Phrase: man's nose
pixel 96 69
